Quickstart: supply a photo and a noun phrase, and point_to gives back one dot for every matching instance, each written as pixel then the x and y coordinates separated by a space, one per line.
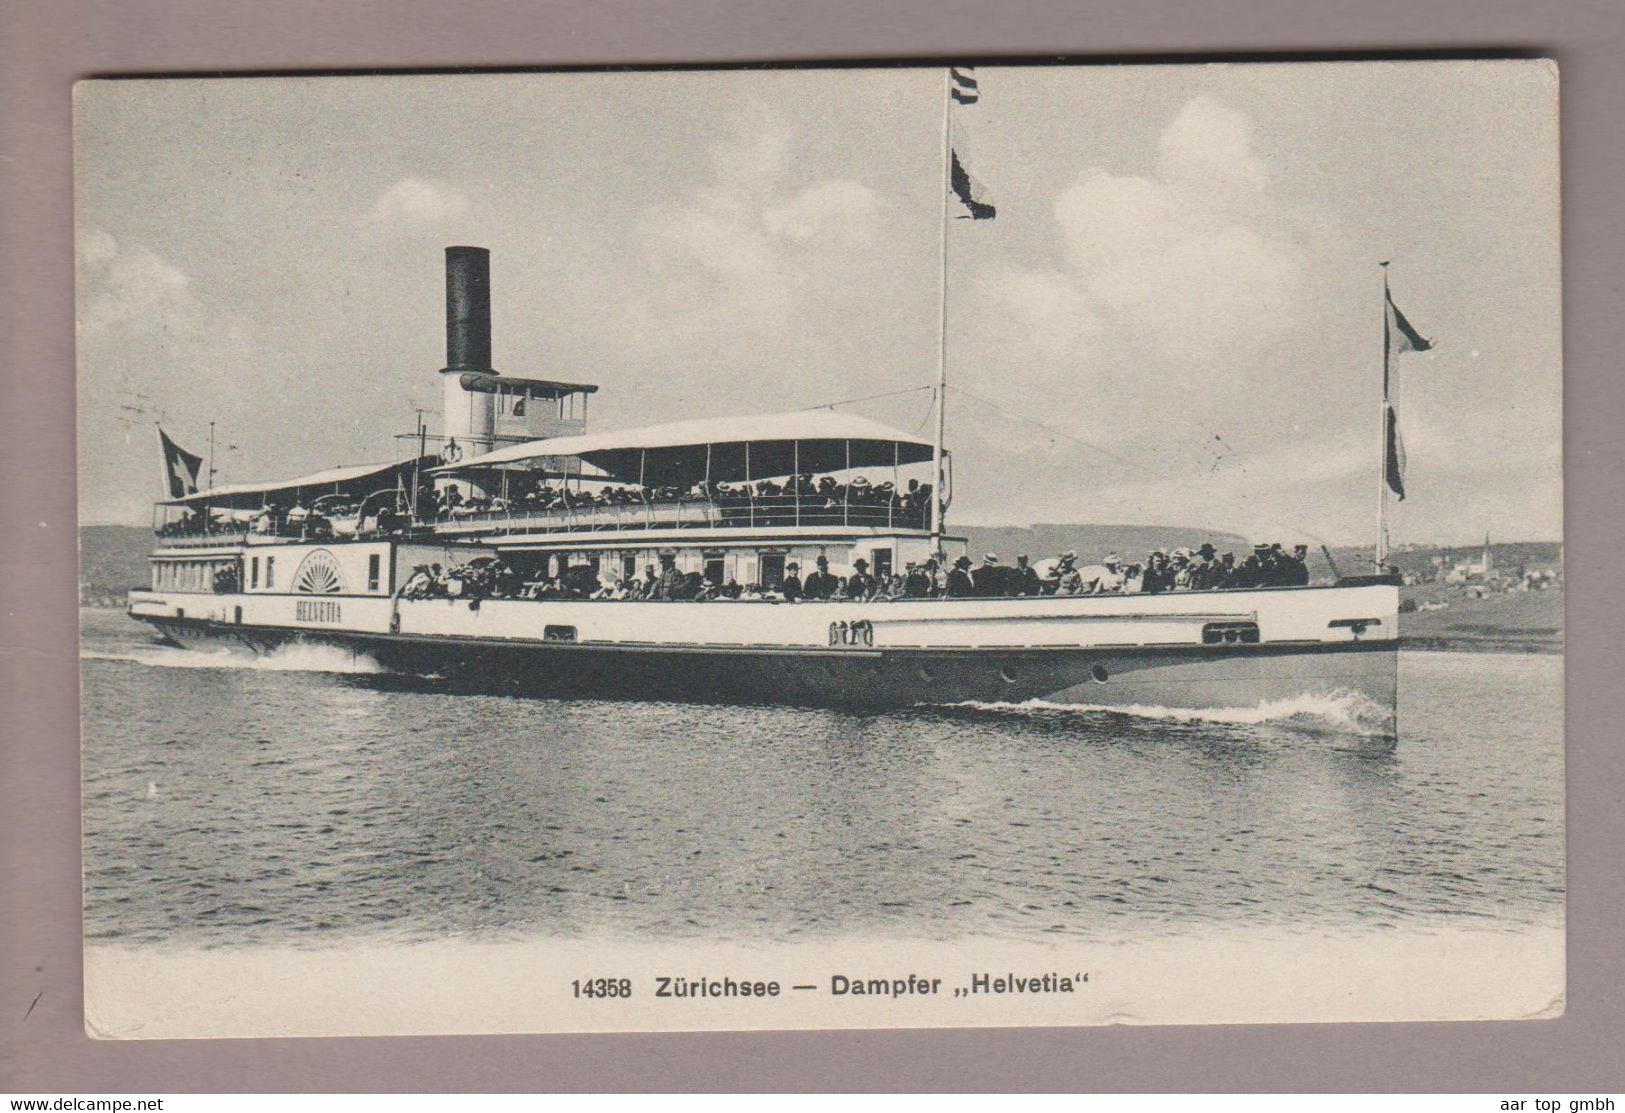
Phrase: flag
pixel 180 467
pixel 1408 339
pixel 1394 456
pixel 970 192
pixel 962 85
pixel 1398 336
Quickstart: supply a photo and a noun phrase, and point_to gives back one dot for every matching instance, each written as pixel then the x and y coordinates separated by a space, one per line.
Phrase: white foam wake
pixel 293 657
pixel 1350 712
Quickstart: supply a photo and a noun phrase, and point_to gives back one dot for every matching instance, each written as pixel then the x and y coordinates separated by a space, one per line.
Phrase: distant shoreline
pixel 1430 644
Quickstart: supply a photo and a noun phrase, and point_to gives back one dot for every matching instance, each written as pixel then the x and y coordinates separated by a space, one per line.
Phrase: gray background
pixel 49 46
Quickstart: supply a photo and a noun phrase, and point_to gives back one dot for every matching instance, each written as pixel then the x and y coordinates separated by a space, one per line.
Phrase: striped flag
pixel 963 89
pixel 1408 339
pixel 962 85
pixel 970 192
pixel 1394 457
pixel 1399 336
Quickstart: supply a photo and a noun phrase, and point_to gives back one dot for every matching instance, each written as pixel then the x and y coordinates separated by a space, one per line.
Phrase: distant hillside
pixel 1092 542
pixel 112 560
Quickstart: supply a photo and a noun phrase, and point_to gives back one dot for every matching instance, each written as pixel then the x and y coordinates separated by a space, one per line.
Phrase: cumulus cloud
pixel 1196 258
pixel 1175 308
pixel 739 247
pixel 128 285
pixel 1209 142
pixel 1162 277
pixel 834 207
pixel 418 202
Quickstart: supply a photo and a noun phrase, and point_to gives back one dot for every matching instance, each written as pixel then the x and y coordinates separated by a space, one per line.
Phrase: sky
pixel 1175 318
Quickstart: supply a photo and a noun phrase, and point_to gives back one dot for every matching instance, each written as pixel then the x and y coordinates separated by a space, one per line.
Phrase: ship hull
pixel 1197 678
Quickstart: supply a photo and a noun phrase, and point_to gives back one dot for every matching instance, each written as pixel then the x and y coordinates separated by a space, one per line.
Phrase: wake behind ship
pixel 794 557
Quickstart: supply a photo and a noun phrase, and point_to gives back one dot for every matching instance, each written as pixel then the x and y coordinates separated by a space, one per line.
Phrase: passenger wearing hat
pixel 669 585
pixel 1025 581
pixel 1064 578
pixel 1250 572
pixel 916 582
pixel 417 585
pixel 790 586
pixel 1205 572
pixel 1179 568
pixel 1105 578
pixel 1298 566
pixel 959 578
pixel 822 584
pixel 989 576
pixel 1158 576
pixel 860 585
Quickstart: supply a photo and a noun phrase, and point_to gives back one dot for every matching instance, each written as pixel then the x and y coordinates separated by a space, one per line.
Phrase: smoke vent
pixel 468 309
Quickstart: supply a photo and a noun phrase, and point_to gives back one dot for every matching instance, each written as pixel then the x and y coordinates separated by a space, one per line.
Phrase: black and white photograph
pixel 939 545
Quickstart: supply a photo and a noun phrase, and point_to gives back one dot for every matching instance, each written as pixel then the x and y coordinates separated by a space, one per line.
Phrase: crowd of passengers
pixel 1201 569
pixel 803 498
pixel 812 497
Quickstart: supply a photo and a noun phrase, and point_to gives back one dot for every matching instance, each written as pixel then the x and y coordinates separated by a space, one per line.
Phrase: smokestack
pixel 468 309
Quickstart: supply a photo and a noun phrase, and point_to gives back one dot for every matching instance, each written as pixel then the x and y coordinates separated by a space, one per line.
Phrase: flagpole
pixel 1382 433
pixel 942 322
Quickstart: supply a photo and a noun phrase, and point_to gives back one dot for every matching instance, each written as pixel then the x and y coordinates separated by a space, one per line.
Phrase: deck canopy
pixel 724 450
pixel 483 383
pixel 359 480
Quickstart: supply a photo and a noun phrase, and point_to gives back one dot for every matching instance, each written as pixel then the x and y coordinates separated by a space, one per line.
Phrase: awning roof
pixel 548 388
pixel 359 479
pixel 683 452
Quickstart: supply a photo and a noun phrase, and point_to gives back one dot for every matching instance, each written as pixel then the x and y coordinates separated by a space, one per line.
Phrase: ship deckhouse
pixel 735 498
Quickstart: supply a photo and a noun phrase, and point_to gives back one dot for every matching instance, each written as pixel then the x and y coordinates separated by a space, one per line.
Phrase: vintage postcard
pixel 924 546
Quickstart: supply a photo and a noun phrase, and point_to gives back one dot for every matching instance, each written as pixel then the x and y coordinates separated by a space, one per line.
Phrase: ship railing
pixel 727 511
pixel 195 539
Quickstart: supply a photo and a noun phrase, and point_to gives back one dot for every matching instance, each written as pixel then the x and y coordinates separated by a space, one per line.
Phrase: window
pixel 254 572
pixel 772 570
pixel 713 568
pixel 882 559
pixel 629 566
pixel 558 633
pixel 270 572
pixel 373 566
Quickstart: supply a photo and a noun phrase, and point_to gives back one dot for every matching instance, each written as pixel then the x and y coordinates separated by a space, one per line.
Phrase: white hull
pixel 1113 651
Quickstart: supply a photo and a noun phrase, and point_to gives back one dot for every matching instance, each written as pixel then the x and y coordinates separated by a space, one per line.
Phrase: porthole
pixel 1099 673
pixel 1004 675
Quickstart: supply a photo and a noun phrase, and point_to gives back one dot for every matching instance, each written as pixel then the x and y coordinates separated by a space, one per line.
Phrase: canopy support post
pixel 891 500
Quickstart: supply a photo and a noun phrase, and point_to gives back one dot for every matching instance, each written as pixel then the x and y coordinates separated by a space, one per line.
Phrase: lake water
pixel 306 798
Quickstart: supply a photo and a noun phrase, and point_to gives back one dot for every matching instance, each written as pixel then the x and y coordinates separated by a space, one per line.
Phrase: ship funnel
pixel 468 309
pixel 469 415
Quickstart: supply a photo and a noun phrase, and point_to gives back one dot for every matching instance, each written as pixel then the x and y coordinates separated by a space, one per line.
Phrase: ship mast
pixel 1381 556
pixel 942 321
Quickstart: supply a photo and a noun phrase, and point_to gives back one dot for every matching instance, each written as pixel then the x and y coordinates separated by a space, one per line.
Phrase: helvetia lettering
pixel 842 986
pixel 1017 983
pixel 713 987
pixel 317 610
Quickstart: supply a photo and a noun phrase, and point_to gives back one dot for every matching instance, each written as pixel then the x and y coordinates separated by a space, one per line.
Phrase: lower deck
pixel 1362 676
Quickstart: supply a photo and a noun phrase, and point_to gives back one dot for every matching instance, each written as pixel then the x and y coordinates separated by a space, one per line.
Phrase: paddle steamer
pixel 324 558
